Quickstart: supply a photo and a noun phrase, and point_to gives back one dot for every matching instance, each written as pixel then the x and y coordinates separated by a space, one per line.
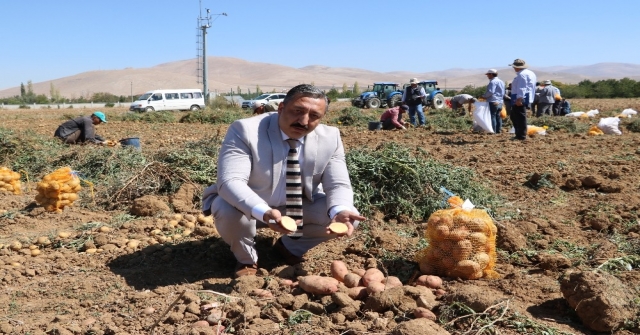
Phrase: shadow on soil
pixel 172 264
pixel 558 311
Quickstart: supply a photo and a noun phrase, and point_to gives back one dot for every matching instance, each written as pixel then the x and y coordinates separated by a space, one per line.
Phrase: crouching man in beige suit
pixel 253 188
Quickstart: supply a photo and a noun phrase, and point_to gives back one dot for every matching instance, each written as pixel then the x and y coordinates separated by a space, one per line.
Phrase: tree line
pixel 601 89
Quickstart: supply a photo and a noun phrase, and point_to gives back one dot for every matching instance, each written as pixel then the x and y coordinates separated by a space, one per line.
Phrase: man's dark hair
pixel 306 90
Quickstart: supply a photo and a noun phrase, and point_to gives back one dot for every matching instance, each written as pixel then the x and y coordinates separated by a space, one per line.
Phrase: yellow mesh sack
pixel 58 190
pixel 10 181
pixel 462 243
pixel 595 131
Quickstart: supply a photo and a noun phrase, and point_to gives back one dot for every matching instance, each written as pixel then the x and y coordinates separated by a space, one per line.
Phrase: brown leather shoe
pixel 288 257
pixel 245 269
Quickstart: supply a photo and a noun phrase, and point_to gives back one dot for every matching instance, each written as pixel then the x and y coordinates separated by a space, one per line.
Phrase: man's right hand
pixel 273 219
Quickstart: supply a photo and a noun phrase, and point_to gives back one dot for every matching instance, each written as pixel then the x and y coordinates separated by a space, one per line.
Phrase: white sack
pixel 482 116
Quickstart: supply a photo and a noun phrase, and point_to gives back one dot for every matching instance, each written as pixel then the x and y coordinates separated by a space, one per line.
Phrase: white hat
pixel 492 71
pixel 413 81
pixel 547 82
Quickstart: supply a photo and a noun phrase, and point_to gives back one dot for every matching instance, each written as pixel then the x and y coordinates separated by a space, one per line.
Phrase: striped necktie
pixel 294 187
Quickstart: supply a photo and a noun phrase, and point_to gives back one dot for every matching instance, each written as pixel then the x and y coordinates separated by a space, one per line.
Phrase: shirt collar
pixel 285 137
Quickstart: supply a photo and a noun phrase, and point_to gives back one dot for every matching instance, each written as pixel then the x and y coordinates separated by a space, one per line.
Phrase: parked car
pixel 174 99
pixel 264 99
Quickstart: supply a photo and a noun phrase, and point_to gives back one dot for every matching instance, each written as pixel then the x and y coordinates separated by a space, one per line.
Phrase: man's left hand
pixel 348 218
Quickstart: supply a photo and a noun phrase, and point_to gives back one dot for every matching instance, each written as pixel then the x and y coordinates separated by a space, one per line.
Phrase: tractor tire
pixel 373 103
pixel 438 101
pixel 395 100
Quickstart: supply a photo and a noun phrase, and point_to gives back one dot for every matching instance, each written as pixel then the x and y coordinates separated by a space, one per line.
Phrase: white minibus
pixel 177 99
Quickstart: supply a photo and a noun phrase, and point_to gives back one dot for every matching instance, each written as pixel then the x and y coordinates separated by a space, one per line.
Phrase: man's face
pixel 95 119
pixel 301 115
pixel 414 85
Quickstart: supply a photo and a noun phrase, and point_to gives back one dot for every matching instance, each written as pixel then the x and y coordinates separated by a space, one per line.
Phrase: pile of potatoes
pixel 9 181
pixel 359 283
pixel 58 190
pixel 462 243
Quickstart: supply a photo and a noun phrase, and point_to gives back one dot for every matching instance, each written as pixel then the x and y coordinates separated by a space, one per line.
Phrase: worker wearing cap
pixel 523 88
pixel 81 129
pixel 494 96
pixel 546 99
pixel 392 118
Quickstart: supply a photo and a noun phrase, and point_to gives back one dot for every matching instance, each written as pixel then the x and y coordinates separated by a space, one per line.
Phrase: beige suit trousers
pixel 239 231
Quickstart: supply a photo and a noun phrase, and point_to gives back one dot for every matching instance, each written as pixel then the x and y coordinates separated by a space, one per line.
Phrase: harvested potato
pixel 260 293
pixel 462 250
pixel 467 269
pixel 483 259
pixel 64 234
pixel 422 312
pixel 358 292
pixel 429 281
pixel 459 234
pixel 371 276
pixel 15 245
pixel 43 240
pixel 392 281
pixel 104 229
pixel 286 282
pixel 288 223
pixel 359 272
pixel 190 218
pixel 375 287
pixel 318 285
pixel 352 280
pixel 339 270
pixel 35 252
pixel 338 228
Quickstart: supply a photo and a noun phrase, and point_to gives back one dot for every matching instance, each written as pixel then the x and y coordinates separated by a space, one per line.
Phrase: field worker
pixel 507 99
pixel 494 96
pixel 281 163
pixel 557 100
pixel 392 118
pixel 81 129
pixel 565 107
pixel 535 105
pixel 458 101
pixel 546 99
pixel 523 87
pixel 260 108
pixel 413 96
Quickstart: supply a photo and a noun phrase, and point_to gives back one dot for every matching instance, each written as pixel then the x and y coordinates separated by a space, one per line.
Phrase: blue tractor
pixel 382 95
pixel 434 99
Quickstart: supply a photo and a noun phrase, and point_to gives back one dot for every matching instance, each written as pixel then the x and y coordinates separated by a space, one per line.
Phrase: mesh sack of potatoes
pixel 462 243
pixel 58 190
pixel 9 181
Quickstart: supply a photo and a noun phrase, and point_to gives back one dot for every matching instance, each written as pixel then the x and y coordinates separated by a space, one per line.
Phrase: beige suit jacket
pixel 251 161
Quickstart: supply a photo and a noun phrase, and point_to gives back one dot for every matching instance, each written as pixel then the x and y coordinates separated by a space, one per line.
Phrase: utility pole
pixel 204 22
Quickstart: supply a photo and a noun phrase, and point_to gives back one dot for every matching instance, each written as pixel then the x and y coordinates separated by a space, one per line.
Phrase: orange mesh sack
pixel 462 243
pixel 58 190
pixel 9 181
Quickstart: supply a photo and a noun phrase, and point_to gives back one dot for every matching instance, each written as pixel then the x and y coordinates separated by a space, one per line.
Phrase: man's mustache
pixel 299 125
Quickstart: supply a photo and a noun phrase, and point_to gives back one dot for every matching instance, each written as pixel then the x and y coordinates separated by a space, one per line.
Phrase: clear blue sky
pixel 44 39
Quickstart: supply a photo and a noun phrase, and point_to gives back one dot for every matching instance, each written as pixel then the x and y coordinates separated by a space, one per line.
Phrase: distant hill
pixel 226 74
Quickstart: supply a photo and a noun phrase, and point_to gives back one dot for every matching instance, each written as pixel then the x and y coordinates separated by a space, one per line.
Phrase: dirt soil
pixel 96 281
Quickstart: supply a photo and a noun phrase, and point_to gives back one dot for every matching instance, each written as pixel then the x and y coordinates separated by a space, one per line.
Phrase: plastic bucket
pixel 131 142
pixel 375 125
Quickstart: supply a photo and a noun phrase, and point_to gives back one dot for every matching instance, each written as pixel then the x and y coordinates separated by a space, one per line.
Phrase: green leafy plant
pixel 393 180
